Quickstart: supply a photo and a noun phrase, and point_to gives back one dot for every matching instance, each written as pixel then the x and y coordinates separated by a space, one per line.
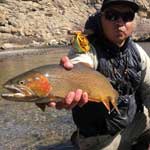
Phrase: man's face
pixel 117 23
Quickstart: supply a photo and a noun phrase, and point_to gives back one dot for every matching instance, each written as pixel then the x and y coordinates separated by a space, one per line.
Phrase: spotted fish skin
pixel 52 82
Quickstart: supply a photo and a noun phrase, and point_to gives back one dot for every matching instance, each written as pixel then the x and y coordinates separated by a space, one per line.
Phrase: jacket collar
pixel 113 49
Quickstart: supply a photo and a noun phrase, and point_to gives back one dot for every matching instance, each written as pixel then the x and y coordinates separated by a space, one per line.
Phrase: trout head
pixel 28 87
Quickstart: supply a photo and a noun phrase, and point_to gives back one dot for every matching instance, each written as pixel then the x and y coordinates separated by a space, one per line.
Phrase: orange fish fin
pixel 115 106
pixel 94 100
pixel 107 105
pixel 42 106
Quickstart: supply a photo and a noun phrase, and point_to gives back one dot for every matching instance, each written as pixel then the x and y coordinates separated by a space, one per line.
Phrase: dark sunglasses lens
pixel 114 15
pixel 129 16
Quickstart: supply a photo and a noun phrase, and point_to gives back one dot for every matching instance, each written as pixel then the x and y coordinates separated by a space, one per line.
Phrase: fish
pixel 52 82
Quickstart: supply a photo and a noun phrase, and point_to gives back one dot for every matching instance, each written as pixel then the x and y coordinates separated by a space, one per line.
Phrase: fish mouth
pixel 18 93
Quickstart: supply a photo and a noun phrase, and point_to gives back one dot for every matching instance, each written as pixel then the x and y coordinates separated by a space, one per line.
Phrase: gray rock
pixel 49 21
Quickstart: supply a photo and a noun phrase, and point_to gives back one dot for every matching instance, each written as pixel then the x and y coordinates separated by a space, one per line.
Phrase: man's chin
pixel 120 42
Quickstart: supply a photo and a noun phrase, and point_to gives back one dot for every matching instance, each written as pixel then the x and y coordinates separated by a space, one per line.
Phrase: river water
pixel 22 125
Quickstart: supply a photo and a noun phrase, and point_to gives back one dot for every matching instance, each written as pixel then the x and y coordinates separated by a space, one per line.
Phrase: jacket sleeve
pixel 145 85
pixel 88 57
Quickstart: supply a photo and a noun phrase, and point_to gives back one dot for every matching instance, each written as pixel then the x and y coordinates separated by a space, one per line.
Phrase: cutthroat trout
pixel 52 82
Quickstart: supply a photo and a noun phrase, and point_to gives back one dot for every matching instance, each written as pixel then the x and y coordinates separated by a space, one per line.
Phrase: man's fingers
pixel 51 104
pixel 72 99
pixel 65 61
pixel 77 98
pixel 69 98
pixel 84 99
pixel 58 105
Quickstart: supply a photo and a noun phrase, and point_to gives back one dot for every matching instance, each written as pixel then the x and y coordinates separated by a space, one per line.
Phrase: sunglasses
pixel 113 15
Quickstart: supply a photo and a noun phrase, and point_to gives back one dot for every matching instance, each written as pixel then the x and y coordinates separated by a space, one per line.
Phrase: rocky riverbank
pixel 34 23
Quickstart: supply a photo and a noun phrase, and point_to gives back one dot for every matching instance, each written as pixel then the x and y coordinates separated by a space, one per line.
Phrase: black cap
pixel 131 3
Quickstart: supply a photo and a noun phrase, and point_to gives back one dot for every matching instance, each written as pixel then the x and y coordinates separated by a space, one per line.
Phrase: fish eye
pixel 22 82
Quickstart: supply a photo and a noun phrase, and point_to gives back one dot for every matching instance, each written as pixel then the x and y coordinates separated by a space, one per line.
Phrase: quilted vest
pixel 122 67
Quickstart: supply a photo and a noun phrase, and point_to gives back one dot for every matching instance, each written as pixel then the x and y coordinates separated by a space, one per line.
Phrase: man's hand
pixel 73 98
pixel 66 63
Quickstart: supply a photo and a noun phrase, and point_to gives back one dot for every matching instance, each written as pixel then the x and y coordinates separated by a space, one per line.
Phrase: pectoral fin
pixel 42 106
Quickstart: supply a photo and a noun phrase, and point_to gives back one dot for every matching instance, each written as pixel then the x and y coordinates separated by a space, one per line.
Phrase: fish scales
pixel 58 82
pixel 93 82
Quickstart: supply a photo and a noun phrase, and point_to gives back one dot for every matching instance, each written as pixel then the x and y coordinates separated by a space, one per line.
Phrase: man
pixel 126 65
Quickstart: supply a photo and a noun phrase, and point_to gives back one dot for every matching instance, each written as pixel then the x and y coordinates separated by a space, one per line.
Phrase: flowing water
pixel 23 126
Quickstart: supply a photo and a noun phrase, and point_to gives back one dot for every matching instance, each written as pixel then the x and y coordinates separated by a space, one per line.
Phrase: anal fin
pixel 115 106
pixel 106 104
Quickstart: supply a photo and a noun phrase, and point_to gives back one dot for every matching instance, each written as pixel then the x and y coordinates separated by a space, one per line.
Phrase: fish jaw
pixel 28 87
pixel 19 93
